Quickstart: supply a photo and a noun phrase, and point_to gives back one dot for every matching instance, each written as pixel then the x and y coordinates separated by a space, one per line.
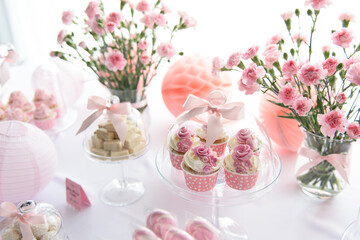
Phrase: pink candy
pixel 144 233
pixel 201 229
pixel 177 234
pixel 160 222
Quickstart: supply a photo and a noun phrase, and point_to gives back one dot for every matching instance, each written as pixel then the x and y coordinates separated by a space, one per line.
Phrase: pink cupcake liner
pixel 200 183
pixel 219 148
pixel 45 124
pixel 240 181
pixel 176 159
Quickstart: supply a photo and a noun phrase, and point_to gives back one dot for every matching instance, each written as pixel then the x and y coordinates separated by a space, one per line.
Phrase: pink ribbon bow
pixel 113 111
pixel 11 214
pixel 215 105
pixel 338 161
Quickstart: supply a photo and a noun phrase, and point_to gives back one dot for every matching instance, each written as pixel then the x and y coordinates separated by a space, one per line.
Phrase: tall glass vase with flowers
pixel 321 94
pixel 122 47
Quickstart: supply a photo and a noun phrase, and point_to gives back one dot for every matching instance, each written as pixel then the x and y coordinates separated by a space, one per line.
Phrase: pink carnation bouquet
pixel 321 94
pixel 121 46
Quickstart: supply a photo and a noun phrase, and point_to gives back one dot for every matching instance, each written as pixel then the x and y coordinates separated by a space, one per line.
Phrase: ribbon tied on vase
pixel 114 108
pixel 217 107
pixel 339 161
pixel 9 211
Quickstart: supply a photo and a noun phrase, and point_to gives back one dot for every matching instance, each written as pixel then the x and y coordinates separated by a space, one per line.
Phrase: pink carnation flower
pixel 290 68
pixel 331 122
pixel 287 94
pixel 353 74
pixel 145 59
pixel 115 18
pixel 110 26
pixel 350 61
pixel 143 6
pixel 302 105
pixel 274 39
pixel 115 60
pixel 61 36
pixel 217 64
pixel 248 89
pixel 142 45
pixel 353 130
pixel 299 36
pixel 165 8
pixel 188 20
pixel 341 98
pixel 346 17
pixel 330 65
pixel 67 17
pixel 271 54
pixel 159 19
pixel 288 15
pixel 250 53
pixel 252 73
pixel 96 27
pixel 166 50
pixel 342 37
pixel 325 48
pixel 92 9
pixel 233 60
pixel 317 4
pixel 148 20
pixel 310 74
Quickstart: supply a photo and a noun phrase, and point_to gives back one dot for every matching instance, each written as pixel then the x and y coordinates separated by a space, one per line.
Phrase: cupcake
pixel 44 118
pixel 52 103
pixel 219 145
pixel 18 100
pixel 179 144
pixel 245 136
pixel 241 168
pixel 3 107
pixel 40 97
pixel 201 167
pixel 2 114
pixel 18 115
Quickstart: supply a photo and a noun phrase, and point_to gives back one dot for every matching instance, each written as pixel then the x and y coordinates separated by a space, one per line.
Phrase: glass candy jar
pixel 51 229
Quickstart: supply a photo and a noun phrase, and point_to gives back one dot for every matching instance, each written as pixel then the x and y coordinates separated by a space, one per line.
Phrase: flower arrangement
pixel 122 47
pixel 322 95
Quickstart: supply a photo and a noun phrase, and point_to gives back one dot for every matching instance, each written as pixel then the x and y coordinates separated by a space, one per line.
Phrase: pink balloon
pixel 286 133
pixel 191 75
pixel 28 160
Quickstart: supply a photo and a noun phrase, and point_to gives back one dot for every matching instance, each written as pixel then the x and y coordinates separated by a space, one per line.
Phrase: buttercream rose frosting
pixel 42 112
pixel 16 96
pixel 202 159
pixel 17 114
pixel 245 136
pixel 242 160
pixel 40 95
pixel 183 140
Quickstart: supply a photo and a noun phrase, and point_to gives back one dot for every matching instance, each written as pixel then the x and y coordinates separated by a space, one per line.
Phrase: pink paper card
pixel 75 195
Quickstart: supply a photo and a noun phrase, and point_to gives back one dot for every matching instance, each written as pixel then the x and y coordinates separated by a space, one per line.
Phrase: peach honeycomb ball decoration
pixel 191 75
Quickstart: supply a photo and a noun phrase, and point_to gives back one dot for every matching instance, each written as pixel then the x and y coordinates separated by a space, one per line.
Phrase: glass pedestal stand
pixel 121 191
pixel 222 195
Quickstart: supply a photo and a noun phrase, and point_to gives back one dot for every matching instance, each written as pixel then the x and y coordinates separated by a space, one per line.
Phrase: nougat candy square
pixel 100 152
pixel 104 134
pixel 113 145
pixel 122 152
pixel 97 142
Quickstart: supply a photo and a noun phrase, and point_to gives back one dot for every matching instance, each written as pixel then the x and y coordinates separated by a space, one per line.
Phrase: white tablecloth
pixel 283 213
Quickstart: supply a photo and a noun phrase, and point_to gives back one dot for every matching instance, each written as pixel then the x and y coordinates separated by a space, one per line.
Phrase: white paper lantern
pixel 28 160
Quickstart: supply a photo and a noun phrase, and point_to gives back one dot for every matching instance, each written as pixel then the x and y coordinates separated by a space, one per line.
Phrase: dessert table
pixel 283 213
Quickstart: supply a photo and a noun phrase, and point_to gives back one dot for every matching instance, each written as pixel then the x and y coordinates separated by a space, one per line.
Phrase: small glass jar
pixel 50 230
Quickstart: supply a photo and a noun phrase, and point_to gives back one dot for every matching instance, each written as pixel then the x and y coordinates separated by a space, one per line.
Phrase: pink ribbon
pixel 11 214
pixel 113 111
pixel 338 161
pixel 215 105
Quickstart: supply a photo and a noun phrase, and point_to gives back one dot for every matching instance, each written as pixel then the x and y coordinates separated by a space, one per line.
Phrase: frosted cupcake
pixel 245 136
pixel 18 115
pixel 44 118
pixel 241 168
pixel 18 100
pixel 40 97
pixel 220 143
pixel 180 143
pixel 2 114
pixel 53 104
pixel 3 107
pixel 201 167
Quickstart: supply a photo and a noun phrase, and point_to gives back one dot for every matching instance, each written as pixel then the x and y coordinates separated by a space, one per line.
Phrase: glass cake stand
pixel 222 194
pixel 121 191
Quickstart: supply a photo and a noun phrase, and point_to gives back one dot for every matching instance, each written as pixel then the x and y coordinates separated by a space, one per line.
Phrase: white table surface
pixel 283 213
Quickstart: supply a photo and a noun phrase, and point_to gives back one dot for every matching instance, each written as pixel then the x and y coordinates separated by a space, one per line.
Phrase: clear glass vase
pixel 323 165
pixel 136 97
